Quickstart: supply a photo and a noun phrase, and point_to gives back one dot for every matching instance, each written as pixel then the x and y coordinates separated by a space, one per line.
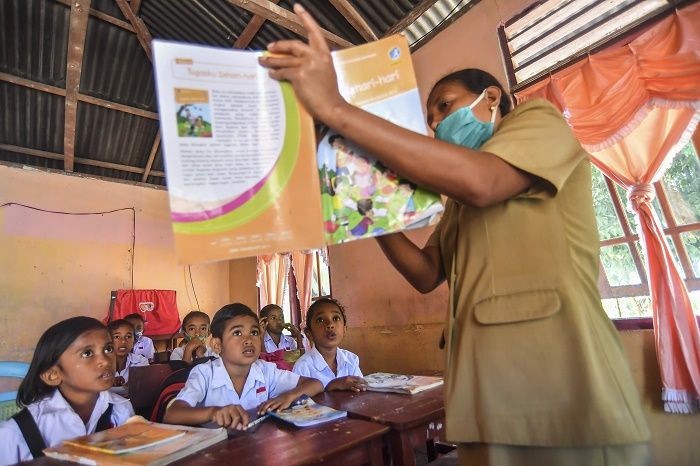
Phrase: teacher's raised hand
pixel 308 67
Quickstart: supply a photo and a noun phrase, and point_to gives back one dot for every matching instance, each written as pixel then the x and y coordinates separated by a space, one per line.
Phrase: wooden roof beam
pixel 135 6
pixel 151 157
pixel 355 19
pixel 103 16
pixel 252 28
pixel 413 15
pixel 142 33
pixel 285 18
pixel 79 12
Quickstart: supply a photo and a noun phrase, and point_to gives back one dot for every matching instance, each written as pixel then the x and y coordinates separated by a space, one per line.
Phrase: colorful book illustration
pixel 308 413
pixel 132 444
pixel 239 151
pixel 399 383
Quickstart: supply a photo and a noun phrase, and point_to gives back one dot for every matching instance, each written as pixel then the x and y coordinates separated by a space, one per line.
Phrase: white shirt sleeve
pixel 279 380
pixel 121 409
pixel 195 390
pixel 177 353
pixel 301 367
pixel 149 350
pixel 13 447
pixel 138 360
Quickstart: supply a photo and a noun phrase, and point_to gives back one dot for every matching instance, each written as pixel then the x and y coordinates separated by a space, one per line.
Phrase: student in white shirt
pixel 336 368
pixel 65 392
pixel 223 389
pixel 143 345
pixel 123 338
pixel 272 320
pixel 195 326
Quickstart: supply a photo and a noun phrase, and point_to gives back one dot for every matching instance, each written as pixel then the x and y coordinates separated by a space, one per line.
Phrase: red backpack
pixel 157 307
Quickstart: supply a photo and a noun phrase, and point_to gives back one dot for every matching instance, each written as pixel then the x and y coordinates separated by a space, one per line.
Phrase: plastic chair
pixel 8 404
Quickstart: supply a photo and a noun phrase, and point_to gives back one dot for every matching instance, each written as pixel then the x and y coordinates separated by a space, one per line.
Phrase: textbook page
pixel 361 197
pixel 239 155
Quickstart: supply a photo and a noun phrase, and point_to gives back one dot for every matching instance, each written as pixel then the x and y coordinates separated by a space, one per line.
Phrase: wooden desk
pixel 412 418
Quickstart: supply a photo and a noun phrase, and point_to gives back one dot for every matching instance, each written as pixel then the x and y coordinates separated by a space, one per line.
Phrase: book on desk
pixel 138 444
pixel 400 383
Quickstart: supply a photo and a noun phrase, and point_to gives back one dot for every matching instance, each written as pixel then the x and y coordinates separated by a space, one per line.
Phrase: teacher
pixel 535 373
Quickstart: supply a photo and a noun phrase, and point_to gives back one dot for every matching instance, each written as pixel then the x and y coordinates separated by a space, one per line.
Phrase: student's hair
pixel 135 315
pixel 226 313
pixel 475 81
pixel 52 344
pixel 115 324
pixel 265 311
pixel 334 138
pixel 364 206
pixel 317 305
pixel 191 315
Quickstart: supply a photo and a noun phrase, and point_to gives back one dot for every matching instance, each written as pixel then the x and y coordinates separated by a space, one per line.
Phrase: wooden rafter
pixel 285 18
pixel 94 163
pixel 151 157
pixel 250 30
pixel 135 6
pixel 9 78
pixel 355 19
pixel 142 33
pixel 103 16
pixel 413 15
pixel 79 12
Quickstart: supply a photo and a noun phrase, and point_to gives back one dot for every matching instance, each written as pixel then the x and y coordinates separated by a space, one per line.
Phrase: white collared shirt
pixel 132 360
pixel 57 421
pixel 287 343
pixel 144 346
pixel 178 352
pixel 210 385
pixel 311 364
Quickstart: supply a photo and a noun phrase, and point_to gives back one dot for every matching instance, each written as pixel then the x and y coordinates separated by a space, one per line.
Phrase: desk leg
pixel 375 452
pixel 401 449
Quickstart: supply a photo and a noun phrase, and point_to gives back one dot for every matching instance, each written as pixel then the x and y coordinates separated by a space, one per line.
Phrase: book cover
pixel 360 196
pixel 399 383
pixel 189 441
pixel 125 438
pixel 309 413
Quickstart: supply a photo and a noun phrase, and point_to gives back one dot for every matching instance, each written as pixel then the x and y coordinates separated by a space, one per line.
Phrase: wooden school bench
pixel 413 419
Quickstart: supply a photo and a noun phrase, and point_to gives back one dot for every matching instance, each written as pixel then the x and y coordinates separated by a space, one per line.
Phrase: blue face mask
pixel 463 128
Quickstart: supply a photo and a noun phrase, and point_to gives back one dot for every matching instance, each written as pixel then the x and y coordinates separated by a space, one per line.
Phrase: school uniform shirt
pixel 210 385
pixel 311 364
pixel 287 343
pixel 144 346
pixel 532 358
pixel 132 360
pixel 57 422
pixel 178 352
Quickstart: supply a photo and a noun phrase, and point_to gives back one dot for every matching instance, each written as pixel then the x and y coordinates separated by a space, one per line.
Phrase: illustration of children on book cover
pixel 362 198
pixel 193 113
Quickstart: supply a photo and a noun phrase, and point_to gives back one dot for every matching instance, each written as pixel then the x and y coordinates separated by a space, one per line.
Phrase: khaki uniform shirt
pixel 532 358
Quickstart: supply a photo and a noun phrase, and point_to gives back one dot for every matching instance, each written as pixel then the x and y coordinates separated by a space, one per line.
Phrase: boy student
pixel 223 389
pixel 272 320
pixel 142 344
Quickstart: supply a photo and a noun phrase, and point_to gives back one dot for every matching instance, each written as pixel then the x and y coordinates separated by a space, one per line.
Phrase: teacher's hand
pixel 308 67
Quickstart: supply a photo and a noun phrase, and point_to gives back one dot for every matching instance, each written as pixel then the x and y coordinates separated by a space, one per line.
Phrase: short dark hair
pixel 226 313
pixel 364 206
pixel 52 344
pixel 475 81
pixel 192 314
pixel 317 304
pixel 135 315
pixel 265 311
pixel 115 324
pixel 334 138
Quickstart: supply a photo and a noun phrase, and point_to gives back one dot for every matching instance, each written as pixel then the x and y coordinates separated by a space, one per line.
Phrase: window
pixel 321 283
pixel 623 281
pixel 320 287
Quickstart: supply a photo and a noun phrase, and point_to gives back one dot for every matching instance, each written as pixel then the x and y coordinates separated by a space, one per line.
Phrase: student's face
pixel 138 325
pixel 275 321
pixel 240 343
pixel 448 97
pixel 86 366
pixel 197 327
pixel 123 339
pixel 327 326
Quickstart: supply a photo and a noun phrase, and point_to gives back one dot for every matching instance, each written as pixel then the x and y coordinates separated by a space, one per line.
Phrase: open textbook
pixel 399 383
pixel 308 413
pixel 240 153
pixel 134 444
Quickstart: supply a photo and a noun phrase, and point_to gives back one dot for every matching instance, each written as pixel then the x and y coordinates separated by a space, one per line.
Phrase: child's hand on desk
pixel 283 401
pixel 231 416
pixel 350 382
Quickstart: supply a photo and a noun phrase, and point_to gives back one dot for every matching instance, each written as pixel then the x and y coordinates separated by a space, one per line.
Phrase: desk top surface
pixel 400 412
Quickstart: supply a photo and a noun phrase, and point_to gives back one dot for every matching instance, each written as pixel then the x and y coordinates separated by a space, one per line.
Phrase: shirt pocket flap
pixel 517 307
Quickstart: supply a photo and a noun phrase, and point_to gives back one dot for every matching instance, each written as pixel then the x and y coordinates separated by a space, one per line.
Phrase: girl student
pixel 336 368
pixel 123 338
pixel 65 393
pixel 195 326
pixel 272 320
pixel 223 389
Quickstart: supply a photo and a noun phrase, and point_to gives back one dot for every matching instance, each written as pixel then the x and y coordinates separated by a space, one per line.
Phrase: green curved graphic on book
pixel 274 184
